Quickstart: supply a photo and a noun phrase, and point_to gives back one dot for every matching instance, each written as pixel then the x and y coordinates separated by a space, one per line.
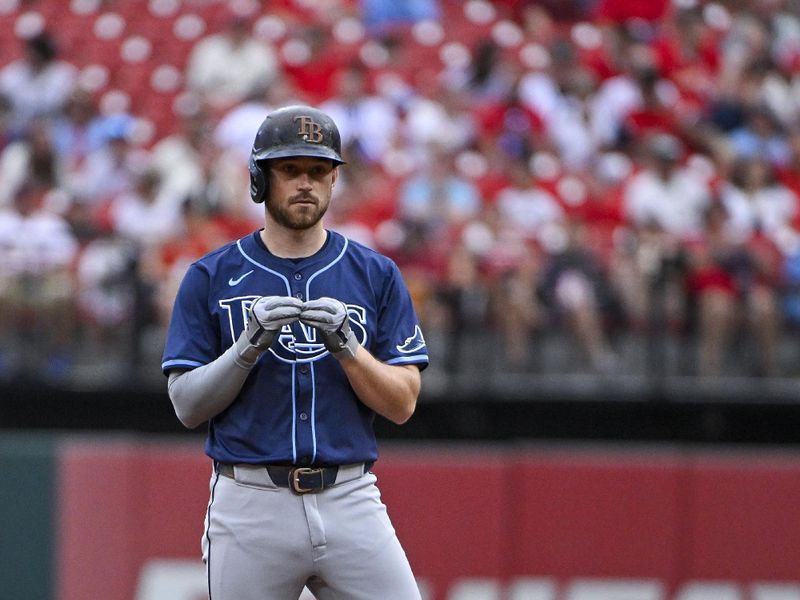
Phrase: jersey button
pixel 303 416
pixel 298 276
pixel 304 369
pixel 299 295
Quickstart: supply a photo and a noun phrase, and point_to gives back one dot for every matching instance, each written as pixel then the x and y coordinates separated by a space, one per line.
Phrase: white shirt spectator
pixel 147 222
pixel 236 130
pixel 539 92
pixel 528 211
pixel 674 203
pixel 37 85
pixel 616 98
pixel 365 120
pixel 30 156
pixel 370 122
pixel 225 68
pixel 428 122
pixel 572 128
pixel 106 173
pixel 37 244
pixel 770 209
pixel 14 169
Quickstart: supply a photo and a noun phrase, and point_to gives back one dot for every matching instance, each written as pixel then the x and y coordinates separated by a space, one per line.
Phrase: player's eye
pixel 288 169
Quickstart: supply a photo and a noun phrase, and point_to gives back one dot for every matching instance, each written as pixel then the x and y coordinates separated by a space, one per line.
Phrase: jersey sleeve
pixel 192 336
pixel 399 339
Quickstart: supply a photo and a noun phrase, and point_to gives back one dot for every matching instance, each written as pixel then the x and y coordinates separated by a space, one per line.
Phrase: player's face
pixel 300 190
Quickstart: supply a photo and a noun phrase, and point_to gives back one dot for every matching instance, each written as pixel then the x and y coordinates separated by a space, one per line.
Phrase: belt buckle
pixel 294 479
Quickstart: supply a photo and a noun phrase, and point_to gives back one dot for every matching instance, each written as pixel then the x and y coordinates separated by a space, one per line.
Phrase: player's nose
pixel 304 182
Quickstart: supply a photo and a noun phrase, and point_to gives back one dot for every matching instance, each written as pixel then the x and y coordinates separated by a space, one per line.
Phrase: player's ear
pixel 334 175
pixel 259 180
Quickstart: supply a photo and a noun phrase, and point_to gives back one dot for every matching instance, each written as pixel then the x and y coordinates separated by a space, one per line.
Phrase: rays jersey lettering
pixel 297 342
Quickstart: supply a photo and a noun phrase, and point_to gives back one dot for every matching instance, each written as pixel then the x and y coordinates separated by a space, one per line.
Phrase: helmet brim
pixel 299 150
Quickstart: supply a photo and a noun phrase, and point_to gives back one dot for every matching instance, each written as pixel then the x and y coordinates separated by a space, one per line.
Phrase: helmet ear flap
pixel 259 185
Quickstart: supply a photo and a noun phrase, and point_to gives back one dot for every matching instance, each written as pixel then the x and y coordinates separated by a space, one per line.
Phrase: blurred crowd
pixel 598 169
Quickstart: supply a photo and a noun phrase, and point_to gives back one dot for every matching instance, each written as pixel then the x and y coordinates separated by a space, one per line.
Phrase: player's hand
pixel 267 315
pixel 329 316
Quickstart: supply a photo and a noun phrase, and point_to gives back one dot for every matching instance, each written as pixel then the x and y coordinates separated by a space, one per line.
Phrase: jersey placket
pixel 305 435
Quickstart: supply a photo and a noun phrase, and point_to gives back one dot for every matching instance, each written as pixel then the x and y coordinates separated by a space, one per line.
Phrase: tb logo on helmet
pixel 309 129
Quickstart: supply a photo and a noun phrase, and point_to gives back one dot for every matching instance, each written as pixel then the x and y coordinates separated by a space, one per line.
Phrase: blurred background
pixel 595 204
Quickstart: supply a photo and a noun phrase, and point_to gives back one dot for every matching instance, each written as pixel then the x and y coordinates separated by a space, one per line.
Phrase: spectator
pixel 665 194
pixel 526 208
pixel 38 84
pixel 620 95
pixel 611 237
pixel 437 199
pixel 314 62
pixel 185 161
pixel 367 122
pixel 489 77
pixel 111 168
pixel 142 217
pixel 78 131
pixel 757 203
pixel 572 124
pixel 37 289
pixel 760 136
pixel 226 67
pixel 576 289
pixel 465 296
pixel 106 295
pixel 163 267
pixel 234 131
pixel 434 115
pixel 656 113
pixel 516 126
pixel 517 307
pixel 364 201
pixel 731 282
pixel 780 93
pixel 664 203
pixel 31 158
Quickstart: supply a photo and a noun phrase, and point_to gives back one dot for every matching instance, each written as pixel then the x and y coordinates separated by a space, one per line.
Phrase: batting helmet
pixel 292 131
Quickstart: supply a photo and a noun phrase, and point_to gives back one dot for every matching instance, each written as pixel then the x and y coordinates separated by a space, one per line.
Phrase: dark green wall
pixel 27 516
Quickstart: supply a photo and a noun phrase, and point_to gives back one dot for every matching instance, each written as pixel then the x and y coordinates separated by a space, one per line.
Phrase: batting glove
pixel 329 316
pixel 267 315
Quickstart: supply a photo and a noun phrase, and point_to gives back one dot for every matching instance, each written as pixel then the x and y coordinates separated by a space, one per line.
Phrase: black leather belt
pixel 301 480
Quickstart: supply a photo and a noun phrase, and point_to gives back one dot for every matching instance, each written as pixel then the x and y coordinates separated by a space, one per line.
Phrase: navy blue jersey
pixel 297 405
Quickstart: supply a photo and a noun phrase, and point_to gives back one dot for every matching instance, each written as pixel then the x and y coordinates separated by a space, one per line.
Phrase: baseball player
pixel 288 342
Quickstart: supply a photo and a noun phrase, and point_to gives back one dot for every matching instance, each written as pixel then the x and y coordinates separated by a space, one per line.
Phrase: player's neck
pixel 293 243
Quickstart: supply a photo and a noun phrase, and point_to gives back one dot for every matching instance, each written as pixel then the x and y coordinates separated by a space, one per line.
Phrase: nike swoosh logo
pixel 413 343
pixel 232 282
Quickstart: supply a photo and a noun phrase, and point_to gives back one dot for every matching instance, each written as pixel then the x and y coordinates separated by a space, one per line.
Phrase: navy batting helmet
pixel 292 131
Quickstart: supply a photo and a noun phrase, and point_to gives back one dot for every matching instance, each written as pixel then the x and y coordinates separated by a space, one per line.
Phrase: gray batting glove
pixel 329 316
pixel 267 315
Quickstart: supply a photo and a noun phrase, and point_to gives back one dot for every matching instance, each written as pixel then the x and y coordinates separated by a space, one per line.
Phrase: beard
pixel 292 216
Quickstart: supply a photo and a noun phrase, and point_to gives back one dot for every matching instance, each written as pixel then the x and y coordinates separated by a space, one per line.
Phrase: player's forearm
pixel 389 390
pixel 204 392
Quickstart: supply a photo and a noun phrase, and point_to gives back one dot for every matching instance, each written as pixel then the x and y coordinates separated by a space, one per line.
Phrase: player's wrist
pixel 247 354
pixel 342 343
